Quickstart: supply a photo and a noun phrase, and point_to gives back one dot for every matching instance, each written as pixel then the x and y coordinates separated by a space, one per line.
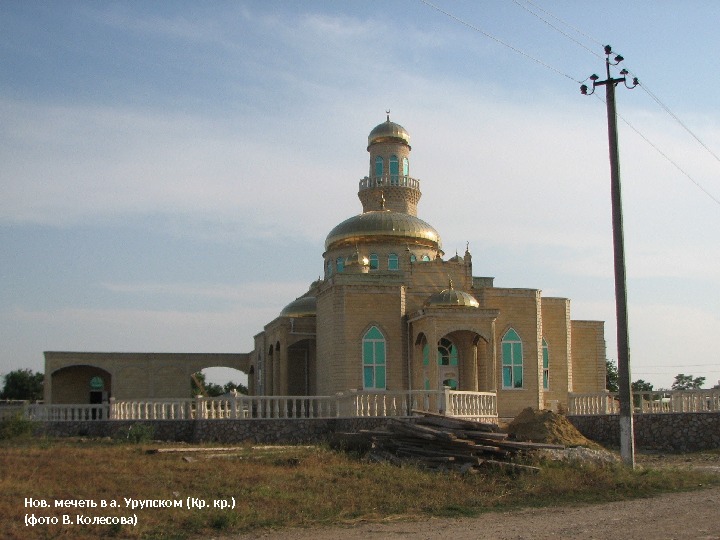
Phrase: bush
pixel 15 426
pixel 140 433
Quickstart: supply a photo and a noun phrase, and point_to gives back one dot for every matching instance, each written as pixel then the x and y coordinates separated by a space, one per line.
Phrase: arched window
pixel 374 261
pixel 512 360
pixel 340 264
pixel 393 263
pixel 394 170
pixel 447 353
pixel 546 365
pixel 425 258
pixel 406 167
pixel 378 166
pixel 373 351
pixel 413 258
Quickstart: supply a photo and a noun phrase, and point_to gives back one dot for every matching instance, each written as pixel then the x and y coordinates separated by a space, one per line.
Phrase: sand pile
pixel 546 427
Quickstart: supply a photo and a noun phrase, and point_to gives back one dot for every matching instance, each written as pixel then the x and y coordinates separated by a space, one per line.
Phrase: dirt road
pixel 678 516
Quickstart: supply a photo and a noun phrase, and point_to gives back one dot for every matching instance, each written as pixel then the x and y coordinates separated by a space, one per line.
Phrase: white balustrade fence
pixel 656 402
pixel 470 405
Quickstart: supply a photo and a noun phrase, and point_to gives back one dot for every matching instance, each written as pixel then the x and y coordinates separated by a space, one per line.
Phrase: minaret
pixel 389 185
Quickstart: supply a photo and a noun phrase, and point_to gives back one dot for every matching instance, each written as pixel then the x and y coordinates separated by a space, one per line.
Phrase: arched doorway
pixel 81 384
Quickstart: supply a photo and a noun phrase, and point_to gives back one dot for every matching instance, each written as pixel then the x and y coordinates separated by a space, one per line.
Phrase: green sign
pixel 96 383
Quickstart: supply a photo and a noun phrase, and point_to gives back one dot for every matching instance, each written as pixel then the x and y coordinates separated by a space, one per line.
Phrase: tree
pixel 687 382
pixel 210 389
pixel 23 384
pixel 230 386
pixel 642 386
pixel 612 382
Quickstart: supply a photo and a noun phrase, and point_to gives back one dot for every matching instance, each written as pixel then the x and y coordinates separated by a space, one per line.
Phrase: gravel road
pixel 693 515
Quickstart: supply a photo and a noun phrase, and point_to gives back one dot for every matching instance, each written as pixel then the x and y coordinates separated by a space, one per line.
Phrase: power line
pixel 559 72
pixel 668 158
pixel 591 51
pixel 498 40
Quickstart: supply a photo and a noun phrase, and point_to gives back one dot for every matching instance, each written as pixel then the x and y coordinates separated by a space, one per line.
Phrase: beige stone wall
pixel 520 309
pixel 345 313
pixel 588 356
pixel 557 333
pixel 131 375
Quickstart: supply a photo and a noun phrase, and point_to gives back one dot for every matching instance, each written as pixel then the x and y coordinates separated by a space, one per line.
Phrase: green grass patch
pixel 283 487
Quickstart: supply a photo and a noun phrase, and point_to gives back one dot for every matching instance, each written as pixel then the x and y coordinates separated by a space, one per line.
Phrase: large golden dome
pixel 386 224
pixel 305 306
pixel 388 131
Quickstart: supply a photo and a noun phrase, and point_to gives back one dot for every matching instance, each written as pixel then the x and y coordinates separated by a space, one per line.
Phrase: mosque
pixel 389 314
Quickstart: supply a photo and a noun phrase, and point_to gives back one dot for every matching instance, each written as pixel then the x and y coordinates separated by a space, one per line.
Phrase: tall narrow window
pixel 393 263
pixel 546 365
pixel 374 261
pixel 340 264
pixel 406 167
pixel 512 360
pixel 373 351
pixel 378 166
pixel 328 272
pixel 394 170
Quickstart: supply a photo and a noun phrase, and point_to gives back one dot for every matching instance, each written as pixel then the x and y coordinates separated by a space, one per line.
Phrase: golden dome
pixel 384 223
pixel 301 307
pixel 388 131
pixel 452 298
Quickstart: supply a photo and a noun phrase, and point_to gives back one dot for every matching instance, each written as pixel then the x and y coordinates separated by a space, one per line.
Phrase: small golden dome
pixel 383 223
pixel 388 131
pixel 305 306
pixel 452 298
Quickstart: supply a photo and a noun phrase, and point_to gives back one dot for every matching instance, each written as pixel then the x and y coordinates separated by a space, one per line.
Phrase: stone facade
pixel 392 313
pixel 669 432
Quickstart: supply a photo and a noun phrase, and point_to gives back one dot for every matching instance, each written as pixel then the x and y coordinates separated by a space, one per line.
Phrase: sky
pixel 169 170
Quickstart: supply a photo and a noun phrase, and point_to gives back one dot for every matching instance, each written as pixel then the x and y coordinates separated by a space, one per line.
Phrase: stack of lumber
pixel 444 443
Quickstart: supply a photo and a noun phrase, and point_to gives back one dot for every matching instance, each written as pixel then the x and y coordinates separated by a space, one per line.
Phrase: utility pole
pixel 627 439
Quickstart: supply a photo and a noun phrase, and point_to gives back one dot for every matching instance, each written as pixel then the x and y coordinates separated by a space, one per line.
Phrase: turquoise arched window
pixel 394 170
pixel 393 263
pixel 512 360
pixel 413 258
pixel 425 258
pixel 378 166
pixel 373 353
pixel 340 264
pixel 546 365
pixel 406 167
pixel 374 261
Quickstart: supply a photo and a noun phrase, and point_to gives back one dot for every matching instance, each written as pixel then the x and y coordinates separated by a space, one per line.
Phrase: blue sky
pixel 169 170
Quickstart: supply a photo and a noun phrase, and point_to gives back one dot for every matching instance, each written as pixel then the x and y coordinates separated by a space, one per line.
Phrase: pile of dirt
pixel 546 427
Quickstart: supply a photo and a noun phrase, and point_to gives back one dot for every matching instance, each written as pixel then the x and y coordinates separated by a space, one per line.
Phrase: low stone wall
pixel 268 431
pixel 675 432
pixel 669 432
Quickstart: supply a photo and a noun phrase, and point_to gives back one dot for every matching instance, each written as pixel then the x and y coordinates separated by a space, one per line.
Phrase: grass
pixel 272 488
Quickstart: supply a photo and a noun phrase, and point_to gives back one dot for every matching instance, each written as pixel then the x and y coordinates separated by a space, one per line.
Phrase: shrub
pixel 140 433
pixel 14 426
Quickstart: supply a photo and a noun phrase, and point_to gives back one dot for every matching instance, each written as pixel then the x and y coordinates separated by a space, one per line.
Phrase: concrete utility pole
pixel 627 439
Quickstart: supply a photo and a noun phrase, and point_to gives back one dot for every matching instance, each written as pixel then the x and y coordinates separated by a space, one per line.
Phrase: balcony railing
pixel 671 401
pixel 389 180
